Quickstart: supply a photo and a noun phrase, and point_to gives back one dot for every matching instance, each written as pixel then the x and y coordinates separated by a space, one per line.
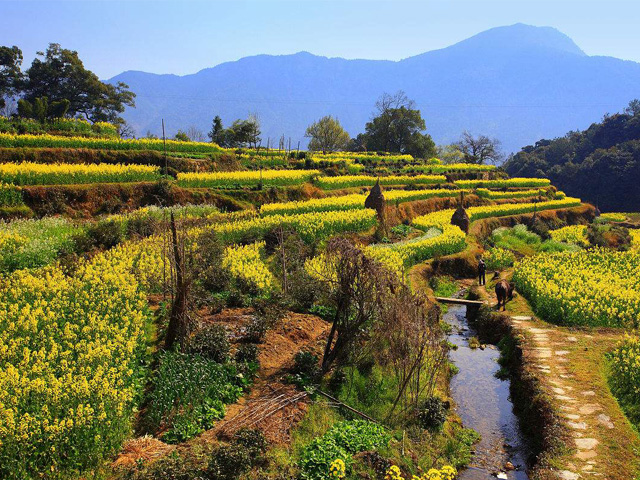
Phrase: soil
pixel 272 405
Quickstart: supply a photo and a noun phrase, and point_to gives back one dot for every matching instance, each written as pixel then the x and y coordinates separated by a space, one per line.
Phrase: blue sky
pixel 183 37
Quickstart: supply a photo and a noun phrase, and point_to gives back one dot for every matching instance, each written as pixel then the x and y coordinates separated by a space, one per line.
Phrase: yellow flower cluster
pixel 448 168
pixel 337 469
pixel 494 195
pixel 510 182
pixel 57 141
pixel 635 238
pixel 625 365
pixel 27 173
pixel 246 178
pixel 571 234
pixel 614 216
pixel 450 240
pixel 353 201
pixel 70 348
pixel 445 473
pixel 245 262
pixel 359 157
pixel 596 287
pixel 346 181
pixel 310 226
pixel 443 217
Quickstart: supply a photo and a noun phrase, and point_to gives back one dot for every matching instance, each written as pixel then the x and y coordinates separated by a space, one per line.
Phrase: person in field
pixel 482 269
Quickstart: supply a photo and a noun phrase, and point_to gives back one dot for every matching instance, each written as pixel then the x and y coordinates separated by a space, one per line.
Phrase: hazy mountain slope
pixel 517 83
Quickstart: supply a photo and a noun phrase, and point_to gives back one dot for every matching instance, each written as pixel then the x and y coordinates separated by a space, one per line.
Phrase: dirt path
pixel 570 366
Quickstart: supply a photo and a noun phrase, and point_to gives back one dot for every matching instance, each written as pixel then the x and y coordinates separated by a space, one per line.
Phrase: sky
pixel 183 37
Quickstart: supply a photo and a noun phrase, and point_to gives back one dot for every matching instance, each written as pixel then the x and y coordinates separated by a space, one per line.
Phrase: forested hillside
pixel 601 164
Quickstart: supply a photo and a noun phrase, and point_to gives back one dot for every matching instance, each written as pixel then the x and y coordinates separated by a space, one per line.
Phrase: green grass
pixel 34 243
pixel 525 242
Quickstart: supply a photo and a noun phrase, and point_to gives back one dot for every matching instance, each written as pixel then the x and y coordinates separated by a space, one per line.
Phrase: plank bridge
pixel 472 305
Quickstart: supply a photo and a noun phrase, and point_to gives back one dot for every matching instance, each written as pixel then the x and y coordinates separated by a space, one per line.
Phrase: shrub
pixel 342 441
pixel 105 234
pixel 499 258
pixel 253 440
pixel 211 342
pixel 432 414
pixel 305 366
pixel 247 353
pixel 188 395
pixel 228 463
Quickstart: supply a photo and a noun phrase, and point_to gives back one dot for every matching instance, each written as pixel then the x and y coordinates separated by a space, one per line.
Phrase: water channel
pixel 483 403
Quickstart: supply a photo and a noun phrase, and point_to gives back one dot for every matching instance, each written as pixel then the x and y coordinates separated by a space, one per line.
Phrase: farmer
pixel 482 268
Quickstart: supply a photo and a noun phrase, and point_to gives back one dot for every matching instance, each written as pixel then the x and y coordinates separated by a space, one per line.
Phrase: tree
pixel 10 73
pixel 634 108
pixel 450 154
pixel 181 136
pixel 217 131
pixel 195 134
pixel 59 74
pixel 357 286
pixel 327 135
pixel 479 150
pixel 41 109
pixel 398 128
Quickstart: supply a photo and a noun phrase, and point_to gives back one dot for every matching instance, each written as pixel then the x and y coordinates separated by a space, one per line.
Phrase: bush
pixel 228 463
pixel 256 330
pixel 247 353
pixel 432 414
pixel 188 395
pixel 211 342
pixel 342 441
pixel 499 259
pixel 253 440
pixel 105 234
pixel 305 366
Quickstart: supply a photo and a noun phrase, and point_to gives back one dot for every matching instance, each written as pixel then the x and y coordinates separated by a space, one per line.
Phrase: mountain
pixel 518 83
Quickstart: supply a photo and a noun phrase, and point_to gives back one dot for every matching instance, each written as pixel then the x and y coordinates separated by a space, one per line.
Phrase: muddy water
pixel 482 402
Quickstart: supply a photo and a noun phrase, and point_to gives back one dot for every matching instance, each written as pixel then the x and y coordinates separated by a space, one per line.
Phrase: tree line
pixel 600 164
pixel 396 126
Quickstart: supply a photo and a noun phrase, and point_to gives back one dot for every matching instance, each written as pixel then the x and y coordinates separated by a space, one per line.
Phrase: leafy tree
pixel 59 75
pixel 241 133
pixel 217 131
pixel 398 128
pixel 41 109
pixel 182 136
pixel 480 149
pixel 600 164
pixel 10 73
pixel 450 154
pixel 327 135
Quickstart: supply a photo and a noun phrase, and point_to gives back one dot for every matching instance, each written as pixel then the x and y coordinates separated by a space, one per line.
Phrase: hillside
pixel 601 163
pixel 517 83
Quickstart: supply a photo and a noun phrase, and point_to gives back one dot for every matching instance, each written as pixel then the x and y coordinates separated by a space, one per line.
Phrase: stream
pixel 483 403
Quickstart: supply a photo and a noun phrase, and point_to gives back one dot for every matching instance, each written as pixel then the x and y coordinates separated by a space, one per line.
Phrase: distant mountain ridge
pixel 518 83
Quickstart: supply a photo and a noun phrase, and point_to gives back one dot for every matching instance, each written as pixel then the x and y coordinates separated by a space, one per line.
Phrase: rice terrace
pixel 293 267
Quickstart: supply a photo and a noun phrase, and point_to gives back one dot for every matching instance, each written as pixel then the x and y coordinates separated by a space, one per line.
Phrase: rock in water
pixel 375 200
pixel 461 219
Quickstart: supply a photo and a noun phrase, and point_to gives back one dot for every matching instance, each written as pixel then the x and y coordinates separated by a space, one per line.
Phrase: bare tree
pixel 410 340
pixel 358 287
pixel 179 320
pixel 480 150
pixel 195 134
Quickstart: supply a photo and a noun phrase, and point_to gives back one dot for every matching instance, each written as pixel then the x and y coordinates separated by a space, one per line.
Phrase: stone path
pixel 550 353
